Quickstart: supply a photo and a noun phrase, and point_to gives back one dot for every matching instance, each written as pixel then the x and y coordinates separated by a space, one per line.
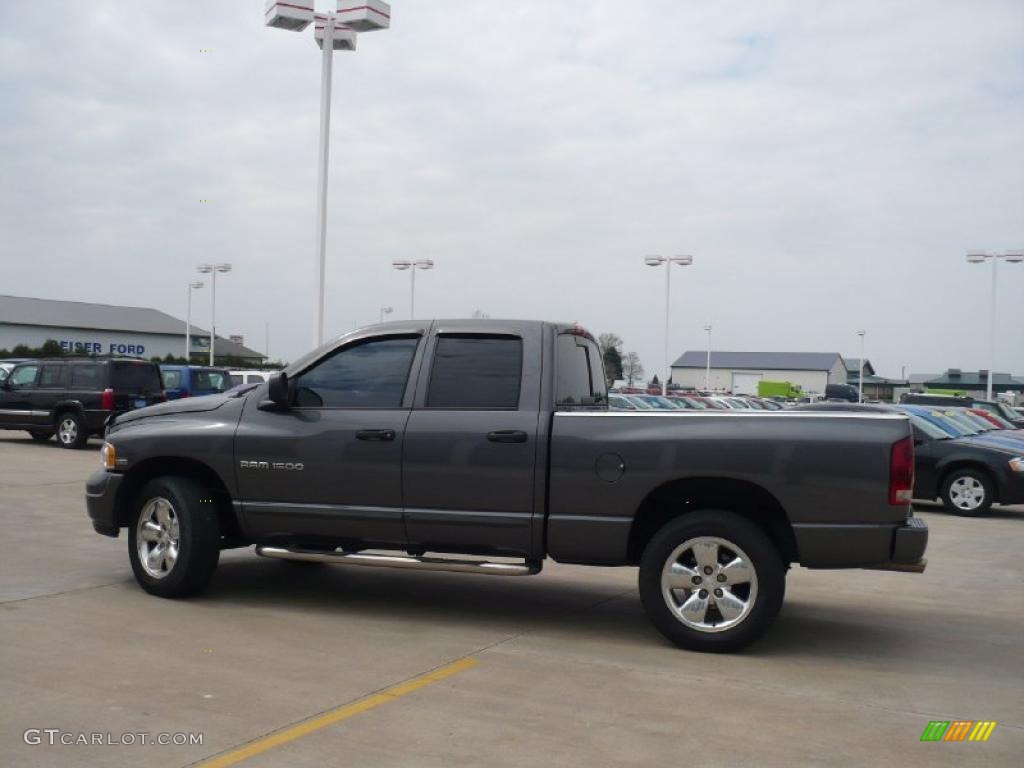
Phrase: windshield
pixel 640 404
pixel 963 422
pixel 1006 412
pixel 928 428
pixel 695 404
pixel 936 419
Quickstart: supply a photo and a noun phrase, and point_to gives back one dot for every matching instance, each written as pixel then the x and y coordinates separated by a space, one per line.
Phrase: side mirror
pixel 277 390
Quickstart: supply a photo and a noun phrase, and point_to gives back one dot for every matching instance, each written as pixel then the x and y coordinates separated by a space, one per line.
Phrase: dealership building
pixel 105 329
pixel 740 372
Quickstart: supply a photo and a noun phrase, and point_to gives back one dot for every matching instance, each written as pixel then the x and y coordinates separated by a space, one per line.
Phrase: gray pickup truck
pixel 486 447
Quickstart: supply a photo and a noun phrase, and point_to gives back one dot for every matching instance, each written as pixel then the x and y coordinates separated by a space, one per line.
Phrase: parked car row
pixel 968 458
pixel 72 398
pixel 622 401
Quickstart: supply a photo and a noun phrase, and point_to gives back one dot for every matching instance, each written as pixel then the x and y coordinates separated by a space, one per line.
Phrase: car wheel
pixel 174 538
pixel 967 492
pixel 41 435
pixel 71 431
pixel 711 581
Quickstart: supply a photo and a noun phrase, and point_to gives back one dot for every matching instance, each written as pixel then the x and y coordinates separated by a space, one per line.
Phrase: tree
pixel 654 382
pixel 611 354
pixel 479 314
pixel 51 348
pixel 632 370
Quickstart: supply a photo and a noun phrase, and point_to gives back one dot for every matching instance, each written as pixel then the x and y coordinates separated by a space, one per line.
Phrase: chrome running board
pixel 526 568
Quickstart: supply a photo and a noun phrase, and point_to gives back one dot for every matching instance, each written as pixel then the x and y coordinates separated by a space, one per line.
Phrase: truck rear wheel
pixel 174 538
pixel 711 581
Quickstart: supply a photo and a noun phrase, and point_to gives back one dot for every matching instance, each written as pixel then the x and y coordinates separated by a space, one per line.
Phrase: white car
pixel 248 377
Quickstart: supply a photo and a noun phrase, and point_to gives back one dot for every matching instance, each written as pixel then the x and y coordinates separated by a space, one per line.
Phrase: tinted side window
pixel 579 372
pixel 216 380
pixel 85 376
pixel 52 377
pixel 254 378
pixel 369 375
pixel 24 376
pixel 476 372
pixel 236 379
pixel 136 377
pixel 171 379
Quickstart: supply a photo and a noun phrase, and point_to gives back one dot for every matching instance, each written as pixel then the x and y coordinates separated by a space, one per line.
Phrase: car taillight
pixel 901 472
pixel 107 399
pixel 163 396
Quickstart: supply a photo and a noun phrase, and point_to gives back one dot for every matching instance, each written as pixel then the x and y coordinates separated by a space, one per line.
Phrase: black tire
pixel 764 593
pixel 198 527
pixel 42 435
pixel 957 496
pixel 71 430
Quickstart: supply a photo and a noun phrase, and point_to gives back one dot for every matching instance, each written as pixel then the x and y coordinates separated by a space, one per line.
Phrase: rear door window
pixel 52 376
pixel 171 379
pixel 218 381
pixel 135 377
pixel 476 371
pixel 85 376
pixel 579 373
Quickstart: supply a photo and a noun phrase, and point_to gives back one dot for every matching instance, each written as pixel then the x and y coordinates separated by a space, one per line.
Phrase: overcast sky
pixel 827 164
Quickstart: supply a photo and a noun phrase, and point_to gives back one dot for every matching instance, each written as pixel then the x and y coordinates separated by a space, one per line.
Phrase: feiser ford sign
pixel 97 348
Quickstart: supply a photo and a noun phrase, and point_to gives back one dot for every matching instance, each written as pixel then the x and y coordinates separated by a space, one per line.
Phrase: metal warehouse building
pixel 739 372
pixel 105 329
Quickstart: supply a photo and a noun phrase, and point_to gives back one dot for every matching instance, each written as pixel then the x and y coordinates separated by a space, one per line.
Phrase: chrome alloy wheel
pixel 67 430
pixel 157 537
pixel 966 493
pixel 709 584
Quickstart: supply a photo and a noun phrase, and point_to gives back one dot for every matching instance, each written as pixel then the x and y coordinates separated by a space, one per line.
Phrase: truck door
pixel 470 447
pixel 329 467
pixel 16 397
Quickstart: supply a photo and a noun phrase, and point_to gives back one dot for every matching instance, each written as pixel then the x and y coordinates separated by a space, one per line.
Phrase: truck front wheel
pixel 174 538
pixel 711 581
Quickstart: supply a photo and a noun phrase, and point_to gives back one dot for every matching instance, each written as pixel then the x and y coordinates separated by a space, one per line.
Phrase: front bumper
pixel 891 547
pixel 101 501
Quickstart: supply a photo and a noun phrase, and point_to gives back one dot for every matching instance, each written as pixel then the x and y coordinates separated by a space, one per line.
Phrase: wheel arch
pixel 67 405
pixel 685 495
pixel 957 464
pixel 176 466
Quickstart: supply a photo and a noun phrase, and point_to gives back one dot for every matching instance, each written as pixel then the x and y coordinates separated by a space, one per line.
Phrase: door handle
pixel 507 436
pixel 383 435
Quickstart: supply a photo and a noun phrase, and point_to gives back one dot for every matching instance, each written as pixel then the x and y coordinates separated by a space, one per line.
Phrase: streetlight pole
pixel 212 270
pixel 707 367
pixel 188 320
pixel 979 257
pixel 668 261
pixel 404 264
pixel 332 32
pixel 860 367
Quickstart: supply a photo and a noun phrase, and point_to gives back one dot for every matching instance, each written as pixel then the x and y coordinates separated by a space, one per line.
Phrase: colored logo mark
pixel 958 730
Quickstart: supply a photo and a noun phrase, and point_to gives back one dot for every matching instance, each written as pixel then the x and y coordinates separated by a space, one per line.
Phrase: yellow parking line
pixel 333 716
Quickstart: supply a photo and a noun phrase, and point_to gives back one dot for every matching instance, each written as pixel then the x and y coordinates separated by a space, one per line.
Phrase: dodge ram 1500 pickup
pixel 486 446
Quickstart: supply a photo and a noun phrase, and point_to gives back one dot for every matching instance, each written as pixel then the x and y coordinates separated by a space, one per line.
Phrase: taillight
pixel 107 399
pixel 901 472
pixel 163 396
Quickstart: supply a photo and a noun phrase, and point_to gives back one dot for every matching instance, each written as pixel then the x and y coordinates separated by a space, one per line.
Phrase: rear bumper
pixel 897 547
pixel 101 501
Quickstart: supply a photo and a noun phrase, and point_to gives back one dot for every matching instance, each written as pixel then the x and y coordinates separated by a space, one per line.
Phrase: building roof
pixel 954 378
pixel 853 366
pixel 761 361
pixel 21 310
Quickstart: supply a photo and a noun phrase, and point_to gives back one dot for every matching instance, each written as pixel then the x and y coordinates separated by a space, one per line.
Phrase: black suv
pixel 73 397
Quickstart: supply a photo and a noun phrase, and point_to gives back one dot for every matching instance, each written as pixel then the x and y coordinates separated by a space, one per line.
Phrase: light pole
pixel 668 261
pixel 979 257
pixel 188 320
pixel 412 266
pixel 333 32
pixel 212 270
pixel 707 368
pixel 860 368
pixel 385 311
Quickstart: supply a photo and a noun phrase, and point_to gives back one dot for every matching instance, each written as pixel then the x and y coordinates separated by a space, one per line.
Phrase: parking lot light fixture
pixel 188 319
pixel 667 261
pixel 332 32
pixel 707 366
pixel 412 266
pixel 980 257
pixel 860 369
pixel 212 270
